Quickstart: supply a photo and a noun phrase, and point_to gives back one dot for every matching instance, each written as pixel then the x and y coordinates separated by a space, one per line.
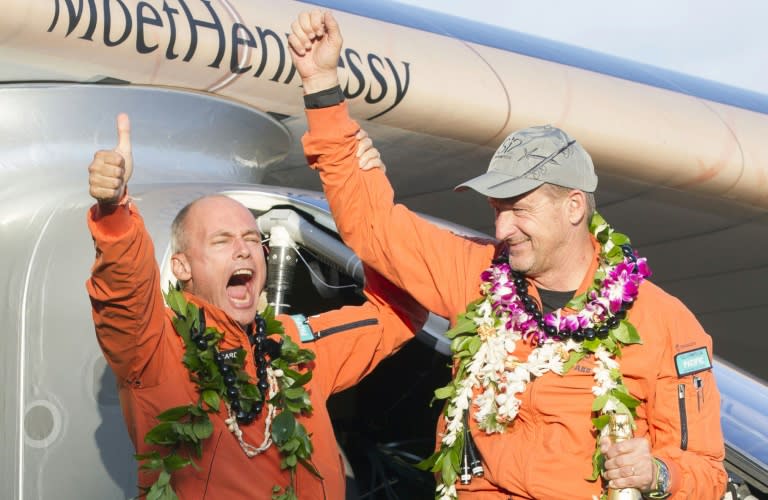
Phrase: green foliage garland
pixel 183 429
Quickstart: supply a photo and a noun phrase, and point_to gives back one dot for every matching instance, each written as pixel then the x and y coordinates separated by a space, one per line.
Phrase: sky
pixel 724 41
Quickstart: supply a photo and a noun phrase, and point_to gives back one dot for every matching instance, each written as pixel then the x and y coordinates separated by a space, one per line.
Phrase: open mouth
pixel 239 286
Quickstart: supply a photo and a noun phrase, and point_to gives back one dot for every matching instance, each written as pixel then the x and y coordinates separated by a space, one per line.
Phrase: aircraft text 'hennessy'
pixel 202 35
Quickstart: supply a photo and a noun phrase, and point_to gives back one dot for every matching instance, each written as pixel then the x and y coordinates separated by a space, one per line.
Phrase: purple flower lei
pixel 605 304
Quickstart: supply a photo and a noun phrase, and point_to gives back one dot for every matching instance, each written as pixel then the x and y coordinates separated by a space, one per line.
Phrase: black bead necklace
pixel 263 347
pixel 598 330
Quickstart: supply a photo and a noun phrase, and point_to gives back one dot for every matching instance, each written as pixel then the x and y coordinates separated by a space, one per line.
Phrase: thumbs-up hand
pixel 110 170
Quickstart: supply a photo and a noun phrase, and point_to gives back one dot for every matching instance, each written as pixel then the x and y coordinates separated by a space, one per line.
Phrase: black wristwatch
pixel 661 487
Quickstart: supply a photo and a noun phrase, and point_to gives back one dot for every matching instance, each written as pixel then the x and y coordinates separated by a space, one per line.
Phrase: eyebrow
pixel 229 234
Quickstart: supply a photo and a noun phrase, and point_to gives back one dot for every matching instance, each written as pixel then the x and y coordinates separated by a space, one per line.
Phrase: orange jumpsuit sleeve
pixel 684 421
pixel 438 268
pixel 350 342
pixel 127 304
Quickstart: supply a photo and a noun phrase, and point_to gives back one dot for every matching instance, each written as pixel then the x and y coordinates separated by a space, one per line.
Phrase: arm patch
pixel 305 331
pixel 694 361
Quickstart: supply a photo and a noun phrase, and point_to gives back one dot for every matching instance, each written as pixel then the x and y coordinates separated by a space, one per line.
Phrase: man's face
pixel 534 227
pixel 226 260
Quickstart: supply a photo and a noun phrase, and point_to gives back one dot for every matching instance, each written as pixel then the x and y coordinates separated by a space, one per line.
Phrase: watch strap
pixel 661 482
pixel 324 98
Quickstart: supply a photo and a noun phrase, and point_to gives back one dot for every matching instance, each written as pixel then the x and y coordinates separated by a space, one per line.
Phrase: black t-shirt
pixel 551 300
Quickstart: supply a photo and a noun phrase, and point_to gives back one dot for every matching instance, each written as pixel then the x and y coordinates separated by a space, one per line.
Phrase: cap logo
pixel 509 144
pixel 539 169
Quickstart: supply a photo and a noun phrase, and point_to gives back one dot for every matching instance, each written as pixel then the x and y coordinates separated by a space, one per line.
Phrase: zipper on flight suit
pixel 683 417
pixel 698 383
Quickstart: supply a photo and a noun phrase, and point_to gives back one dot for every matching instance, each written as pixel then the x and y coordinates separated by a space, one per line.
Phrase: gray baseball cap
pixel 531 157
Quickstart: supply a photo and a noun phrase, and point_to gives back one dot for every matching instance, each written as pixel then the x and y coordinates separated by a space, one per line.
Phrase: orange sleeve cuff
pixel 111 221
pixel 674 476
pixel 327 129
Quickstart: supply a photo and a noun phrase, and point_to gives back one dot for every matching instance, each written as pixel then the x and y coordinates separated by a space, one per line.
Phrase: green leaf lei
pixel 467 342
pixel 184 428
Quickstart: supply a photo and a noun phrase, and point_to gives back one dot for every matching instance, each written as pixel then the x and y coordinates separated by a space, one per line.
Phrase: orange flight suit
pixel 546 453
pixel 135 331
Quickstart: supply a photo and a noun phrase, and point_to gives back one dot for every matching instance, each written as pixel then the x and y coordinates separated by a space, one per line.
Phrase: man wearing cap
pixel 538 377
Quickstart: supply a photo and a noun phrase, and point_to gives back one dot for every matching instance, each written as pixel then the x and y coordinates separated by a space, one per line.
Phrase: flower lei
pixel 484 339
pixel 222 378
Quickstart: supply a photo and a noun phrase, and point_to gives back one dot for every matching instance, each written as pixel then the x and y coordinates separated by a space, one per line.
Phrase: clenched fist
pixel 110 170
pixel 315 42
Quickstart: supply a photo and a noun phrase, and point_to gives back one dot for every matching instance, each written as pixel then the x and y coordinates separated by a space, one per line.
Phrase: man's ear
pixel 577 207
pixel 180 267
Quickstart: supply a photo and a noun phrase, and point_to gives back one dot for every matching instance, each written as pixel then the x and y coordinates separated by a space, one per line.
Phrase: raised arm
pixel 124 286
pixel 438 268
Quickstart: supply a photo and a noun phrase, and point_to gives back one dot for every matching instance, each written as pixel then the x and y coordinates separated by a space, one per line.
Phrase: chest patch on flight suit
pixel 693 361
pixel 230 354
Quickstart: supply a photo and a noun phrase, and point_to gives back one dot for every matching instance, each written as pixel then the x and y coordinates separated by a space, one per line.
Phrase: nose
pixel 242 250
pixel 505 224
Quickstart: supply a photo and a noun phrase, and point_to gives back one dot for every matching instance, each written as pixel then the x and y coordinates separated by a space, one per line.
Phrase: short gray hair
pixel 561 191
pixel 178 230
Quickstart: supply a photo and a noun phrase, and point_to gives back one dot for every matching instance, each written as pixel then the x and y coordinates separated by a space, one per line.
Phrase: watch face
pixel 664 478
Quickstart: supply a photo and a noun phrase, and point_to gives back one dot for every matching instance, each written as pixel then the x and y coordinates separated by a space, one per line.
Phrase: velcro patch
pixel 694 361
pixel 305 331
pixel 230 354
